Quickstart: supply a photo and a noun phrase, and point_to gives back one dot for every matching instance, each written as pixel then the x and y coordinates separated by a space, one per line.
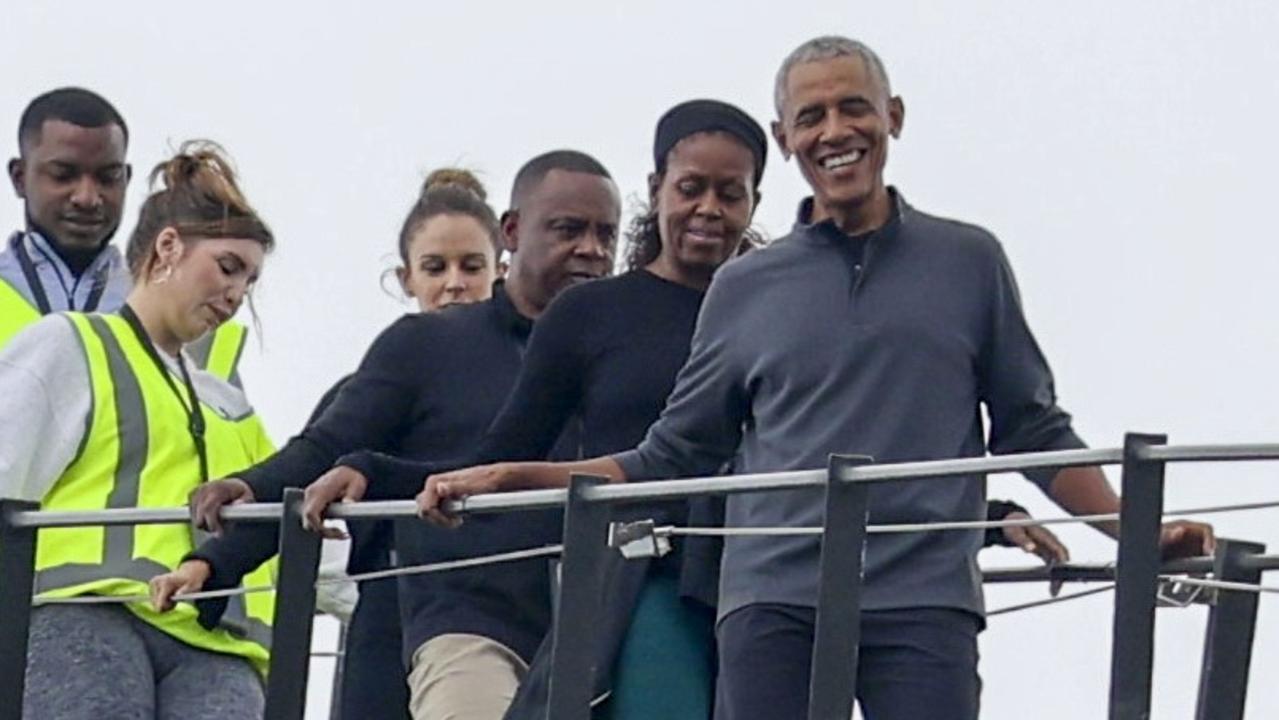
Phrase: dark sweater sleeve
pixel 240 549
pixel 244 545
pixel 546 393
pixel 368 411
pixel 1015 382
pixel 548 389
pixel 998 510
pixel 364 410
pixel 238 552
pixel 326 400
pixel 701 427
pixel 396 478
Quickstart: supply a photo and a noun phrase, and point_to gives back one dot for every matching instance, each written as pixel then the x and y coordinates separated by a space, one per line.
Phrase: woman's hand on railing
pixel 189 577
pixel 342 483
pixel 209 498
pixel 459 485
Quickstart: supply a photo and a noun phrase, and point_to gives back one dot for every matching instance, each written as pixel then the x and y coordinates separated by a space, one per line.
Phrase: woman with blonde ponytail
pixel 115 415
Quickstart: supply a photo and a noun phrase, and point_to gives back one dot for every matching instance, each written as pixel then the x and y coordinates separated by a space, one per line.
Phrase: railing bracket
pixel 637 539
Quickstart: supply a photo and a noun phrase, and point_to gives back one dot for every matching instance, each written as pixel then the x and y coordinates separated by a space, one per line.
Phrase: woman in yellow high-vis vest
pixel 449 247
pixel 114 415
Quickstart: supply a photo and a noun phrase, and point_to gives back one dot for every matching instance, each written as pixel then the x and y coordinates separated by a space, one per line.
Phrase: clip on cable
pixel 637 539
pixel 1171 593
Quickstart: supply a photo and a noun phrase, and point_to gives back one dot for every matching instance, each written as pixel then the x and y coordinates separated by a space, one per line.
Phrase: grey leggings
pixel 100 662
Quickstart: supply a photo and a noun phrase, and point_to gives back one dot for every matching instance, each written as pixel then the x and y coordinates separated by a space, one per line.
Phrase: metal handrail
pixel 674 489
pixel 845 482
pixel 1210 453
pixel 1106 571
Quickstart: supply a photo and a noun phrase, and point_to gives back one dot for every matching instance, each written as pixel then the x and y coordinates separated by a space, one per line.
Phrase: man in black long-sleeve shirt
pixel 428 388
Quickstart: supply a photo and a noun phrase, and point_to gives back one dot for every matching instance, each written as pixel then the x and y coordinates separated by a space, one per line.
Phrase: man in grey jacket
pixel 872 329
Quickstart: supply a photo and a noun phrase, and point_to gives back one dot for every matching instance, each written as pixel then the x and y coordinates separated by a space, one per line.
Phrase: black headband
pixel 695 116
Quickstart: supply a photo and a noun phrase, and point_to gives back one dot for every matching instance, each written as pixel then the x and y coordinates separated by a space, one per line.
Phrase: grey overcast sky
pixel 1123 152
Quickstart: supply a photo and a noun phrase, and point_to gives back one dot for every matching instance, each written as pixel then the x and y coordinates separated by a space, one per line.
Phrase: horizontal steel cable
pixel 1049 601
pixel 667 530
pixel 376 575
pixel 950 525
pixel 1221 584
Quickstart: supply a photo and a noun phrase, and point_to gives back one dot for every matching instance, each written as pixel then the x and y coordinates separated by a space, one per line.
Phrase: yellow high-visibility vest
pixel 217 353
pixel 139 453
pixel 15 312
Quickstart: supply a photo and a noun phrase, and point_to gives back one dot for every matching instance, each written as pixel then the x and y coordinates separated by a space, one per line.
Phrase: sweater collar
pixel 507 315
pixel 828 231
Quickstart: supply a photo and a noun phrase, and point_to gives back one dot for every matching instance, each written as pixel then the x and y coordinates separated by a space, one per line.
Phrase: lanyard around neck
pixel 33 279
pixel 191 405
pixel 37 288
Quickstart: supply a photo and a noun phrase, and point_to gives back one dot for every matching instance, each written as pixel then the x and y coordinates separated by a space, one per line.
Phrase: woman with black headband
pixel 609 355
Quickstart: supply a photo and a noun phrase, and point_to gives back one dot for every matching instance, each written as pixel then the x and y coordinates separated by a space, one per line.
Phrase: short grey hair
pixel 826 48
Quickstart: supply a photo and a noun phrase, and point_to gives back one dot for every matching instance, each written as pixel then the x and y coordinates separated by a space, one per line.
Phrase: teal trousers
pixel 666 666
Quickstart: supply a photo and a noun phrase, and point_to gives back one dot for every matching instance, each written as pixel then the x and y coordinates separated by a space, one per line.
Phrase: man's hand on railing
pixel 189 577
pixel 209 498
pixel 1186 538
pixel 458 485
pixel 1035 539
pixel 343 484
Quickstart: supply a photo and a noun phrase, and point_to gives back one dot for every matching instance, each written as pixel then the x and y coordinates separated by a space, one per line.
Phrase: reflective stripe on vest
pixel 139 454
pixel 15 312
pixel 218 352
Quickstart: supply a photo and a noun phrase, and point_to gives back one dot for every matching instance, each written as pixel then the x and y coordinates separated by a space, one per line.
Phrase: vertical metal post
pixel 1223 682
pixel 576 615
pixel 339 675
pixel 294 613
pixel 832 684
pixel 1137 579
pixel 17 578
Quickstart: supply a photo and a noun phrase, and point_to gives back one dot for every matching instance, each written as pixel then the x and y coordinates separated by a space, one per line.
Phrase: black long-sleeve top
pixel 604 356
pixel 601 359
pixel 427 389
pixel 370 539
pixel 606 352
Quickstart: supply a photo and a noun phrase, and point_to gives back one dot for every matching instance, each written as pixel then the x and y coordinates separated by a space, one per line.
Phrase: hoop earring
pixel 165 274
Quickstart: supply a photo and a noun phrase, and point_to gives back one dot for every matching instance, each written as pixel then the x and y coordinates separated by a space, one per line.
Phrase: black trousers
pixel 374 683
pixel 916 664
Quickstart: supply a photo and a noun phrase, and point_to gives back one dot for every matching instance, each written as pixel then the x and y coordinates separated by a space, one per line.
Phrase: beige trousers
pixel 463 677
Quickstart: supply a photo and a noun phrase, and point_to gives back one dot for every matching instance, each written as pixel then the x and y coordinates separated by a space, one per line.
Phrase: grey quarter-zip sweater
pixel 886 344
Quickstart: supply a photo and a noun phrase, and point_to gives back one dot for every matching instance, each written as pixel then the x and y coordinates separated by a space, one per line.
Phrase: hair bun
pixel 194 192
pixel 458 177
pixel 202 167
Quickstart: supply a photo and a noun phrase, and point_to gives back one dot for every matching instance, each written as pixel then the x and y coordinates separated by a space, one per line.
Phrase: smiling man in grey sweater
pixel 873 329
